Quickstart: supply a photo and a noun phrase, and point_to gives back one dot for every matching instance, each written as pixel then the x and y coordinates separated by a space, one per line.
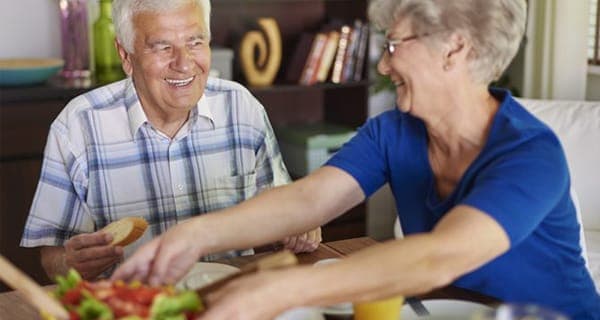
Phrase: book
pixel 338 62
pixel 328 55
pixel 301 52
pixel 311 66
pixel 350 56
pixel 361 52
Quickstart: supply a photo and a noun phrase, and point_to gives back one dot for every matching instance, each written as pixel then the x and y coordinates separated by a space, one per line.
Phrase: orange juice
pixel 386 309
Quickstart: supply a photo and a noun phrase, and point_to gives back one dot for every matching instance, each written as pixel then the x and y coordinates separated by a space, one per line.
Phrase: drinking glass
pixel 386 309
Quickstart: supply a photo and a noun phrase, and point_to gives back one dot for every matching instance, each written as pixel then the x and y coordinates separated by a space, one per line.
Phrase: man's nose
pixel 182 60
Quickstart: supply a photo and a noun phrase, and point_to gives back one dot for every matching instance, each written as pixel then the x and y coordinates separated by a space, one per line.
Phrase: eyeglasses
pixel 389 46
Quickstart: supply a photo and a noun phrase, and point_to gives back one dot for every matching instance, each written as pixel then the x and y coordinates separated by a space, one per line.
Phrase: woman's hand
pixel 165 259
pixel 258 296
pixel 91 254
pixel 306 242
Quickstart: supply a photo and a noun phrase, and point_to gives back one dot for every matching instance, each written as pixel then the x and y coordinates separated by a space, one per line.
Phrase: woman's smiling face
pixel 413 67
pixel 171 59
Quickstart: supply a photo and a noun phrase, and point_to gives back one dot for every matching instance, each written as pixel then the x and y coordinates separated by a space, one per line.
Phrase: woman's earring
pixel 447 66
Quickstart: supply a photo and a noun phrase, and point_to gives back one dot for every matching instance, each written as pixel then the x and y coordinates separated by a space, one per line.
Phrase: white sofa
pixel 577 124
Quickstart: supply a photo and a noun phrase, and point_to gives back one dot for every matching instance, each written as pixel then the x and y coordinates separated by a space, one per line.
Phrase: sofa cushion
pixel 593 241
pixel 577 124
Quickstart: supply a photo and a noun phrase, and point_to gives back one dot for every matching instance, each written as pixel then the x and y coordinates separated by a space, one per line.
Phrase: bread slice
pixel 127 230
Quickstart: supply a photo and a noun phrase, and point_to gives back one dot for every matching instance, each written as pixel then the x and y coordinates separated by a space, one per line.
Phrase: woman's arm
pixel 465 239
pixel 272 215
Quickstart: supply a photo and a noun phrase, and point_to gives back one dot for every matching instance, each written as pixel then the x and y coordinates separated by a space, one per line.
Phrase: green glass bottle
pixel 107 61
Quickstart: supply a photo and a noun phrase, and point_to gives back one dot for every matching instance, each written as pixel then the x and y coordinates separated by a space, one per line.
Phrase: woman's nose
pixel 383 65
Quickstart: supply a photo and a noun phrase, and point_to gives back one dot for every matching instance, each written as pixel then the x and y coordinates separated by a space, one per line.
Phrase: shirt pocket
pixel 231 190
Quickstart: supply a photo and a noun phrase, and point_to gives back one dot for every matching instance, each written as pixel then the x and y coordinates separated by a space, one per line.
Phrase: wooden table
pixel 13 307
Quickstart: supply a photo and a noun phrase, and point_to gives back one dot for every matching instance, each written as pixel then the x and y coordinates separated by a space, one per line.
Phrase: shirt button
pixel 180 187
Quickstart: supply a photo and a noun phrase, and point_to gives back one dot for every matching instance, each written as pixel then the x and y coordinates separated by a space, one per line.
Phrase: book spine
pixel 328 56
pixel 301 54
pixel 309 74
pixel 338 64
pixel 350 57
pixel 361 52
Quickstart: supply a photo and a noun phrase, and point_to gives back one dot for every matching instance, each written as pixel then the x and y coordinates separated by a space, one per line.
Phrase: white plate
pixel 445 309
pixel 342 309
pixel 305 313
pixel 203 273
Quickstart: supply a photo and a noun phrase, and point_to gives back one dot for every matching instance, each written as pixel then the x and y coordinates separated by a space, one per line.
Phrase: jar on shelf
pixel 107 61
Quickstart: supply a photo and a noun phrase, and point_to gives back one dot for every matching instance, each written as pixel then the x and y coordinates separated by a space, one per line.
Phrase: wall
pixel 29 28
pixel 593 87
pixel 554 62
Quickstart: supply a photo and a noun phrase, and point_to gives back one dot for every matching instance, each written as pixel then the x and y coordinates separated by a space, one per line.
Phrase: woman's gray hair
pixel 494 27
pixel 123 12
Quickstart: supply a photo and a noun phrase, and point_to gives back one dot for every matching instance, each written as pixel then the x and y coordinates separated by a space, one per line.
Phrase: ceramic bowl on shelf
pixel 27 71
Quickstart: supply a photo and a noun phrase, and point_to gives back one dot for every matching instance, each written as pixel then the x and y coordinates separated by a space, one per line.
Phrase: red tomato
pixel 189 315
pixel 123 308
pixel 141 295
pixel 145 295
pixel 72 297
pixel 73 315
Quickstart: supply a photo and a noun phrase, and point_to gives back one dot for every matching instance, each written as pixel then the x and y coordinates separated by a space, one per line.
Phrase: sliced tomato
pixel 72 297
pixel 189 315
pixel 73 315
pixel 123 308
pixel 140 295
pixel 145 295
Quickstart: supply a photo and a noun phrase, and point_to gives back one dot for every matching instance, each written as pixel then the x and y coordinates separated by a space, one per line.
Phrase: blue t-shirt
pixel 520 179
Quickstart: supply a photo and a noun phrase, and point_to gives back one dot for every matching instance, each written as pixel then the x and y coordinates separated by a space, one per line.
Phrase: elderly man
pixel 166 144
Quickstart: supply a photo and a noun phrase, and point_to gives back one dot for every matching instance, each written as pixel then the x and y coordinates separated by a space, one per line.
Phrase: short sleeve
pixel 58 210
pixel 270 168
pixel 522 187
pixel 363 157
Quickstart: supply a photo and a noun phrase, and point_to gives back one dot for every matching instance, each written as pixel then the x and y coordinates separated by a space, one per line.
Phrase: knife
pixel 277 260
pixel 417 307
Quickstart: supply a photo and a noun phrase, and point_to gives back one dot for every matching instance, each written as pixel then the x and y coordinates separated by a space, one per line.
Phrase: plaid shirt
pixel 104 161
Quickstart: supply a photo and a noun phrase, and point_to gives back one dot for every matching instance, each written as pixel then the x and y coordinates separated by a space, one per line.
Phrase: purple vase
pixel 75 42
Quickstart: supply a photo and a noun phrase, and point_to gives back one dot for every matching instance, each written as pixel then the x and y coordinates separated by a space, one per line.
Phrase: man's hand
pixel 306 242
pixel 91 254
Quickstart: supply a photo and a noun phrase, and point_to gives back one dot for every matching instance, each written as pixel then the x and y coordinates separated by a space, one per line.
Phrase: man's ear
pixel 125 58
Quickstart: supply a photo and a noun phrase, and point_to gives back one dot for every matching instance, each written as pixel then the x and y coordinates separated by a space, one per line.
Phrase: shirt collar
pixel 137 116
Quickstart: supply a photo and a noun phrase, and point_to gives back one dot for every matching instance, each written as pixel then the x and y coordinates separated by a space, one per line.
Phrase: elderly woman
pixel 481 185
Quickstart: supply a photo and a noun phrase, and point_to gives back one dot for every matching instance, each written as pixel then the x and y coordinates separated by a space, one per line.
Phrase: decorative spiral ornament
pixel 261 69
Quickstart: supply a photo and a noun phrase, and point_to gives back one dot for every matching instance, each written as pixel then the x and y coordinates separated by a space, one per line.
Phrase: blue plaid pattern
pixel 104 161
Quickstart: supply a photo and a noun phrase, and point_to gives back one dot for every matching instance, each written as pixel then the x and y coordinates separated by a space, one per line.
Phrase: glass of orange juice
pixel 385 309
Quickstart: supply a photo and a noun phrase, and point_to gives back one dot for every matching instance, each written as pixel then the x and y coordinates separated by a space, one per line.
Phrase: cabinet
pixel 345 104
pixel 25 117
pixel 26 113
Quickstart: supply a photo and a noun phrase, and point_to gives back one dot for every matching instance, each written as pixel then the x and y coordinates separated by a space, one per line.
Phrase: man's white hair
pixel 123 12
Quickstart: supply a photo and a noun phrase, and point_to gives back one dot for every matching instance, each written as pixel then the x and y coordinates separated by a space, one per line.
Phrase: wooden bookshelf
pixel 286 103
